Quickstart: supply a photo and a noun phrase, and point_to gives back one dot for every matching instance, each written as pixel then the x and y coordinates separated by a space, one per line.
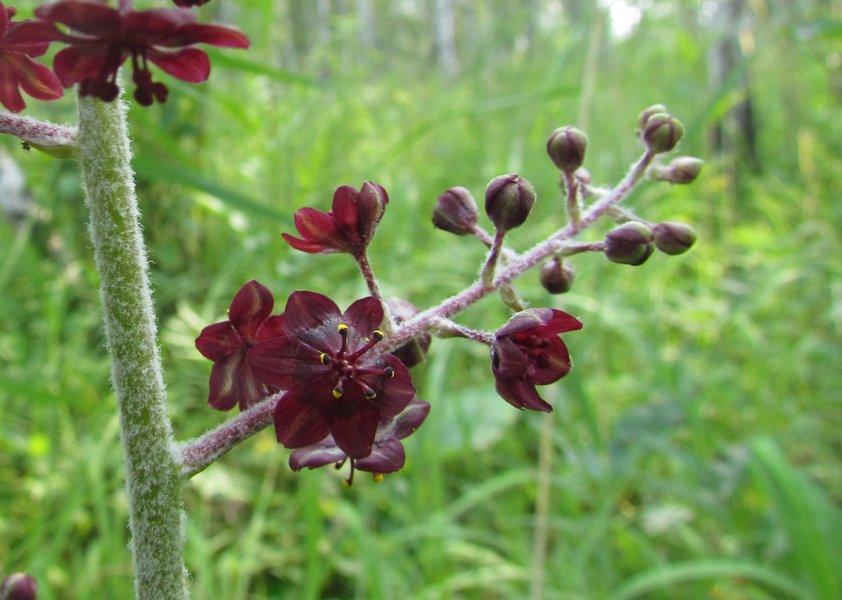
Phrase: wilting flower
pixel 387 454
pixel 18 70
pixel 528 351
pixel 101 38
pixel 232 380
pixel 347 227
pixel 335 384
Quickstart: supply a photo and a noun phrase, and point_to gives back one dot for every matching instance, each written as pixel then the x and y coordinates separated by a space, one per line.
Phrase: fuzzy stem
pixel 152 477
pixel 49 137
pixel 487 276
pixel 571 186
pixel 367 272
pixel 199 453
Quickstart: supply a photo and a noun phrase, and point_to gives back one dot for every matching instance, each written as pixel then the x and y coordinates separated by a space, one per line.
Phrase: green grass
pixel 694 447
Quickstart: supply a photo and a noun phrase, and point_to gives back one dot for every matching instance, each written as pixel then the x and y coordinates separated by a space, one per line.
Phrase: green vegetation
pixel 694 449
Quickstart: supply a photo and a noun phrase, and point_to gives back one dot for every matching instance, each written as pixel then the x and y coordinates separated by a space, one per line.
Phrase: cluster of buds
pixel 340 381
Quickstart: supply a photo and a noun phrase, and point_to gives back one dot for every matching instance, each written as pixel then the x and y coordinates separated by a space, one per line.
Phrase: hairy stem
pixel 152 475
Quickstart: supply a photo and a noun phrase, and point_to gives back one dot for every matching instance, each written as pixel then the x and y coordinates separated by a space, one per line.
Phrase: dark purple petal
pixel 396 392
pixel 9 93
pixel 317 227
pixel 507 359
pixel 344 211
pixel 371 203
pixel 408 421
pixel 190 64
pixel 80 62
pixel 30 37
pixel 306 311
pixel 39 82
pixel 317 455
pixel 365 315
pixel 285 362
pixel 218 340
pixel 213 35
pixel 553 364
pixel 301 420
pixel 4 20
pixel 232 383
pixel 354 423
pixel 251 306
pixel 273 327
pixel 387 457
pixel 157 25
pixel 309 247
pixel 91 18
pixel 521 394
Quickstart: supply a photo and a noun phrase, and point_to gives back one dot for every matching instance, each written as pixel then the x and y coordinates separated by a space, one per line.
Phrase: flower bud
pixel 662 132
pixel 682 170
pixel 629 244
pixel 673 238
pixel 566 148
pixel 18 586
pixel 508 200
pixel 455 211
pixel 654 109
pixel 557 276
pixel 415 350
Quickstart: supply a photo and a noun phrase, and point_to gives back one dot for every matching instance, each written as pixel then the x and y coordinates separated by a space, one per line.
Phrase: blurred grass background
pixel 695 449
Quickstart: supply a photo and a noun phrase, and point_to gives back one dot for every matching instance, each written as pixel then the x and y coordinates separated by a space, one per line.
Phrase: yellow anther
pixel 323 358
pixel 378 477
pixel 342 328
pixel 377 335
pixel 337 392
pixel 389 372
pixel 370 394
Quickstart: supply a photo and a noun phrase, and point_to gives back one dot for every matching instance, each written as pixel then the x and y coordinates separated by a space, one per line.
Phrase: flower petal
pixel 387 457
pixel 200 33
pixel 320 227
pixel 507 359
pixel 354 423
pixel 190 64
pixel 91 18
pixel 394 393
pixel 9 93
pixel 218 340
pixel 156 25
pixel 554 363
pixel 365 315
pixel 251 306
pixel 232 383
pixel 39 82
pixel 310 247
pixel 316 455
pixel 521 394
pixel 299 421
pixel 344 210
pixel 285 362
pixel 80 62
pixel 306 311
pixel 273 327
pixel 408 421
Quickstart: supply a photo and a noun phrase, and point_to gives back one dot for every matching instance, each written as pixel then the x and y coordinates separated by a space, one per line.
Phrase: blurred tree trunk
pixel 365 18
pixel 444 20
pixel 736 132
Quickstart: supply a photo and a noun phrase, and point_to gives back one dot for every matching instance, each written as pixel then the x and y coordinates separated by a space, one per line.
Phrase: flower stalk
pixel 152 473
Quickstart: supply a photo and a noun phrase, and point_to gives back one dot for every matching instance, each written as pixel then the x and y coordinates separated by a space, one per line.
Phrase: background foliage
pixel 694 450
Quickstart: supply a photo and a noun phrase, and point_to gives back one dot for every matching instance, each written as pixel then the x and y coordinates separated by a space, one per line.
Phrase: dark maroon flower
pixel 189 3
pixel 101 38
pixel 527 352
pixel 232 380
pixel 348 227
pixel 387 454
pixel 18 70
pixel 335 384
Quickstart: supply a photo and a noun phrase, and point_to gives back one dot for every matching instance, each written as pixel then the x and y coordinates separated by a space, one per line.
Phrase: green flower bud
pixel 652 110
pixel 566 148
pixel 508 200
pixel 455 211
pixel 557 276
pixel 629 244
pixel 681 170
pixel 662 132
pixel 673 238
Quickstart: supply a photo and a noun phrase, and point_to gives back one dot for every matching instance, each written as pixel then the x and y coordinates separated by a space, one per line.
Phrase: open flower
pixel 335 384
pixel 387 454
pixel 101 38
pixel 226 343
pixel 18 70
pixel 347 227
pixel 527 351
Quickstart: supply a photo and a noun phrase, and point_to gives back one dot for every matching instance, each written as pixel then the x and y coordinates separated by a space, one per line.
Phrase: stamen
pixel 376 336
pixel 338 391
pixel 349 482
pixel 378 477
pixel 342 328
pixel 389 372
pixel 324 358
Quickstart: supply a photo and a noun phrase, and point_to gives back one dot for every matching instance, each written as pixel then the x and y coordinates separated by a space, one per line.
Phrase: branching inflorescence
pixel 335 383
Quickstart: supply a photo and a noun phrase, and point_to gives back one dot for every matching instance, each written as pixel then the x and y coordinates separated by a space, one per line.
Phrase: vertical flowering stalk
pixel 152 474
